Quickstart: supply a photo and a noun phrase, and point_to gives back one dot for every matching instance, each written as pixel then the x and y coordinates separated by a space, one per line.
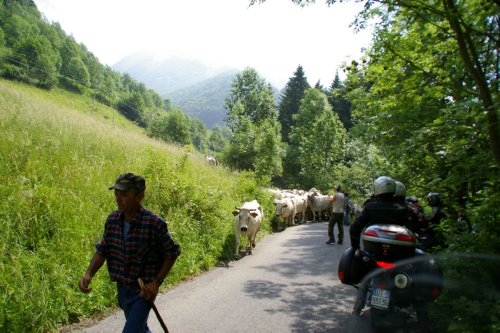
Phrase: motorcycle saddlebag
pixel 351 268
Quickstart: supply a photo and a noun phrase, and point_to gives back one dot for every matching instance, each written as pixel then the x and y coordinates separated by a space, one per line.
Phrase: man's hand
pixel 149 291
pixel 95 264
pixel 84 282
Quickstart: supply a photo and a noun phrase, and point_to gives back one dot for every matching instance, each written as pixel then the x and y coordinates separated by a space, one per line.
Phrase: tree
pixel 255 96
pixel 69 49
pixel 290 101
pixel 240 153
pixel 416 91
pixel 470 27
pixel 269 151
pixel 253 120
pixel 172 127
pixel 338 100
pixel 216 140
pixel 364 162
pixel 133 108
pixel 2 42
pixel 198 133
pixel 177 129
pixel 319 140
pixel 94 67
pixel 414 97
pixel 77 74
pixel 17 27
pixel 38 60
pixel 107 90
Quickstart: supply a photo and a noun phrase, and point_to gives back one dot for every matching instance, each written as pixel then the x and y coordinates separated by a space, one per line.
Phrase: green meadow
pixel 59 153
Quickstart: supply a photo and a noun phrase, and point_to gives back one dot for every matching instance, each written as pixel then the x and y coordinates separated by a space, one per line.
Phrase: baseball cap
pixel 129 181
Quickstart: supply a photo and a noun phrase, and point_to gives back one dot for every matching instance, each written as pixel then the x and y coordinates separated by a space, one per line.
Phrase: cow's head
pixel 280 204
pixel 244 216
pixel 310 197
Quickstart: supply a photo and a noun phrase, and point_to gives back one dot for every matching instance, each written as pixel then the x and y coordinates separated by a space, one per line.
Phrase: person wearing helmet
pixel 432 221
pixel 383 208
pixel 400 193
pixel 416 217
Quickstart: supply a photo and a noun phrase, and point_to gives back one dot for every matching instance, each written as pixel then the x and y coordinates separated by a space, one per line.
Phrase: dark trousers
pixel 336 219
pixel 136 309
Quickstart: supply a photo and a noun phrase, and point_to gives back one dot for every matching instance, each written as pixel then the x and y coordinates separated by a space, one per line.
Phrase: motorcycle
pixel 395 279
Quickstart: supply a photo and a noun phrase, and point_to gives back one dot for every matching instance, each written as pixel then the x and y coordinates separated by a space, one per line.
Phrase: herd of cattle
pixel 292 207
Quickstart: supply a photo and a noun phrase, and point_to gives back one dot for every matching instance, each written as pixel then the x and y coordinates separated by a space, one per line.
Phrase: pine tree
pixel 290 101
pixel 339 103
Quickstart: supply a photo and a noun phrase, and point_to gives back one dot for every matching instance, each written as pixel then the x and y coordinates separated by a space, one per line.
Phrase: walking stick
pixel 157 313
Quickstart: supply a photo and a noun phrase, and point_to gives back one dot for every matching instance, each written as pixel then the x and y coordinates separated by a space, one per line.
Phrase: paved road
pixel 289 284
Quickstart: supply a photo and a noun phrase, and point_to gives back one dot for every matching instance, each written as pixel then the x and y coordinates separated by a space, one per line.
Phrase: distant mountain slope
pixel 166 76
pixel 198 89
pixel 205 100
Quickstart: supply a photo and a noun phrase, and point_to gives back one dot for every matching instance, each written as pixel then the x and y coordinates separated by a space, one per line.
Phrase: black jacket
pixel 381 211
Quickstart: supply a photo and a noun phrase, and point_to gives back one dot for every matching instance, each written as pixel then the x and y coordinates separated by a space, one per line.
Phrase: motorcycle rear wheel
pixel 385 321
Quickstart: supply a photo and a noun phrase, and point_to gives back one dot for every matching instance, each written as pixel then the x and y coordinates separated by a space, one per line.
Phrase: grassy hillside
pixel 58 154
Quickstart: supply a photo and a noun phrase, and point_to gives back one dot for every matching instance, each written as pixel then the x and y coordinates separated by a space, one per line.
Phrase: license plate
pixel 380 298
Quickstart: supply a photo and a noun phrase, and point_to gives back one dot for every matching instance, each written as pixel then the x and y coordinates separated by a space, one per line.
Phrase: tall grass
pixel 59 153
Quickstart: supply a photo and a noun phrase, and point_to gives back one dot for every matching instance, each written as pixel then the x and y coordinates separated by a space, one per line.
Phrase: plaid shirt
pixel 148 245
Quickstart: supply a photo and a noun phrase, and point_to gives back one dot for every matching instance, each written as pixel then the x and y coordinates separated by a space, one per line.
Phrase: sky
pixel 273 38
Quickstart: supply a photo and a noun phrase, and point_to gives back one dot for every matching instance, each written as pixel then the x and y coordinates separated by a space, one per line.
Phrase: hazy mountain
pixel 205 100
pixel 196 88
pixel 165 76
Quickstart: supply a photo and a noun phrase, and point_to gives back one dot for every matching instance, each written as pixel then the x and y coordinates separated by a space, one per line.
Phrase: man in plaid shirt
pixel 135 244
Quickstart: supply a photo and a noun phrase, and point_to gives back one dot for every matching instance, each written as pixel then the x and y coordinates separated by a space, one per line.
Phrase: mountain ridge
pixel 198 89
pixel 205 100
pixel 167 75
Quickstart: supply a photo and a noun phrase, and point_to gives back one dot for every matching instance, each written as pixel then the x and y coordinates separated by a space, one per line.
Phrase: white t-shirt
pixel 338 203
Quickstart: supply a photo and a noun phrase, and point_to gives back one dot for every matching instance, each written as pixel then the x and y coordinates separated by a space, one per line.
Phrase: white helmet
pixel 384 185
pixel 400 189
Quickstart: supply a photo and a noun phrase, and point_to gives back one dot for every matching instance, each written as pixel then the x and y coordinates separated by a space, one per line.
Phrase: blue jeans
pixel 136 309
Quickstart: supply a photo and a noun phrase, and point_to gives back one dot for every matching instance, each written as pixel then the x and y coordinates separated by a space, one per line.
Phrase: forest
pixel 421 106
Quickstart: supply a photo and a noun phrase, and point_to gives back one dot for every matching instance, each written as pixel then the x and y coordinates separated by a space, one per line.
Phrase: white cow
pixel 285 209
pixel 275 193
pixel 248 219
pixel 319 204
pixel 211 160
pixel 300 203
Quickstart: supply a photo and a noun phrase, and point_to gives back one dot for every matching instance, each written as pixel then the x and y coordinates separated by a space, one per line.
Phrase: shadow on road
pixel 314 304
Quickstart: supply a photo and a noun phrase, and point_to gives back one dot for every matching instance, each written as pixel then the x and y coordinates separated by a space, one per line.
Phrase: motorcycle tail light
pixel 371 233
pixel 406 238
pixel 341 275
pixel 383 264
pixel 436 292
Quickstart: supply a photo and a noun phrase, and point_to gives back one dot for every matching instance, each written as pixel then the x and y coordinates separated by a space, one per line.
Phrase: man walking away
pixel 337 218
